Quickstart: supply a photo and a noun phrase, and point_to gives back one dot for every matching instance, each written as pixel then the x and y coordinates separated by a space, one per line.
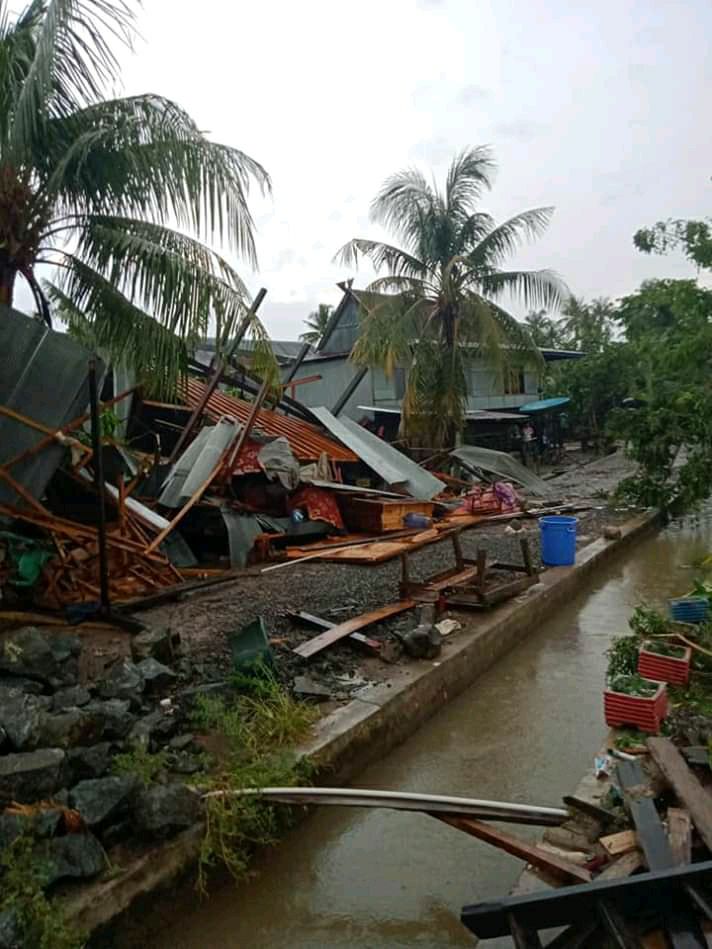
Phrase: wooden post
pixel 99 485
pixel 405 582
pixel 457 546
pixel 215 377
pixel 481 569
pixel 527 556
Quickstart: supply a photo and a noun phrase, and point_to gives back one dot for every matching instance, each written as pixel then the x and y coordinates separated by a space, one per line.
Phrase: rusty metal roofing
pixel 306 441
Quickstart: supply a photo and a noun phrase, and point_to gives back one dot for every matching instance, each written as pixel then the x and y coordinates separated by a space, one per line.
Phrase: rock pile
pixel 58 739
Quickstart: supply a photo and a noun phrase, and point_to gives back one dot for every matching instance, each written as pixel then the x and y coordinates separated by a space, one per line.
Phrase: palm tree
pixel 588 326
pixel 545 331
pixel 91 185
pixel 440 305
pixel 317 323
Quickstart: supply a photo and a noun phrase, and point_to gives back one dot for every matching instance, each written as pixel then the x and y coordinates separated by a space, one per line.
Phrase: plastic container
pixel 558 540
pixel 690 609
pixel 422 521
pixel 645 712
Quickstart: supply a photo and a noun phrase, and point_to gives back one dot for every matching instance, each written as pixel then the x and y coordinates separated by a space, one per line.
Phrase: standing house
pixel 325 375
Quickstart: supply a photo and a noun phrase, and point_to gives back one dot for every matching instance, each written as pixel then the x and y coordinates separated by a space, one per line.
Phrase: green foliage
pixel 622 657
pixel 629 739
pixel 663 648
pixel 260 728
pixel 317 323
pixel 41 919
pixel 440 305
pixel 95 186
pixel 694 238
pixel 633 685
pixel 648 622
pixel 142 763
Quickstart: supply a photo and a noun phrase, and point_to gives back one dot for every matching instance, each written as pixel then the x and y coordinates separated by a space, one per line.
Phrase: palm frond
pixel 506 238
pixel 470 173
pixel 387 330
pixel 174 277
pixel 404 199
pixel 399 262
pixel 100 315
pixel 535 288
pixel 144 156
pixel 72 63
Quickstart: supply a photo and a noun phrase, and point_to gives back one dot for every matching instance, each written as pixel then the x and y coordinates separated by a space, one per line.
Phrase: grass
pixel 41 920
pixel 260 726
pixel 628 739
pixel 139 761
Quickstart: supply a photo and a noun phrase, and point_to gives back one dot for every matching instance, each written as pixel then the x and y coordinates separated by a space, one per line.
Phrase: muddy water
pixel 526 731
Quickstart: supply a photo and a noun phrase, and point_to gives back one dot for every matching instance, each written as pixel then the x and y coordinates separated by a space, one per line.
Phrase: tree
pixel 587 326
pixel 440 306
pixel 90 186
pixel 694 238
pixel 317 323
pixel 545 331
pixel 669 328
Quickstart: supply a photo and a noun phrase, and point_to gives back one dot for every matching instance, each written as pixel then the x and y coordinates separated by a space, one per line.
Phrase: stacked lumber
pixel 73 575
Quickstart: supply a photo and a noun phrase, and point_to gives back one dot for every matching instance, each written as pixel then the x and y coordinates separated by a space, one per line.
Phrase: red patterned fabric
pixel 247 462
pixel 319 504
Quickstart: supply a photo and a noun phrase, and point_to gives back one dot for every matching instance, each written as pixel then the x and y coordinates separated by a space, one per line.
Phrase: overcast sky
pixel 602 110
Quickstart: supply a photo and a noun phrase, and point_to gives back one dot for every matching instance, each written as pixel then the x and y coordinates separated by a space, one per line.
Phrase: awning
pixel 545 405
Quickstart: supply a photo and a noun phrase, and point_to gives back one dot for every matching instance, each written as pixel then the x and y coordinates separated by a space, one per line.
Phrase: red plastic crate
pixel 668 669
pixel 646 713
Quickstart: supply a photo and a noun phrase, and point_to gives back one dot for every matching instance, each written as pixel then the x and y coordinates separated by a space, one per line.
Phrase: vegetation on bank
pixel 257 729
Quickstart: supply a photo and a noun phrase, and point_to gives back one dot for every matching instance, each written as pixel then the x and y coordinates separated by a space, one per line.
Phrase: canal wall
pixel 365 729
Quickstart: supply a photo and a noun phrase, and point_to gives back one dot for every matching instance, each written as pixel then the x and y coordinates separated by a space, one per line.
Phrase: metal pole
pixel 217 372
pixel 99 485
pixel 349 390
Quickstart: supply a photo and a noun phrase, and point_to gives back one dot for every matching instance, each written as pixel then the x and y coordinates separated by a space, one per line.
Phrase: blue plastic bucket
pixel 558 540
pixel 690 609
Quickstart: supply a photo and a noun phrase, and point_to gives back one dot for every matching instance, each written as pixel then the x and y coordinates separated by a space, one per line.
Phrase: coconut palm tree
pixel 441 304
pixel 317 323
pixel 118 196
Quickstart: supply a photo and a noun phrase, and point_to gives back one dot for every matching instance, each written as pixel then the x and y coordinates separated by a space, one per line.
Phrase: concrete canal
pixel 526 731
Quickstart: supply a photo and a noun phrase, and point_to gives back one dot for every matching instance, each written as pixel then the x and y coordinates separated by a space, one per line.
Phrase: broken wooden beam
pixel 330 636
pixel 685 784
pixel 536 856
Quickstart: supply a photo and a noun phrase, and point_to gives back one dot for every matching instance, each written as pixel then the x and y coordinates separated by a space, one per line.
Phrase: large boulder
pixel 24 685
pixel 124 681
pixel 44 823
pixel 116 715
pixel 46 657
pixel 156 676
pixel 73 726
pixel 22 717
pixel 75 696
pixel 103 799
pixel 155 728
pixel 157 643
pixel 30 776
pixel 165 809
pixel 75 856
pixel 88 762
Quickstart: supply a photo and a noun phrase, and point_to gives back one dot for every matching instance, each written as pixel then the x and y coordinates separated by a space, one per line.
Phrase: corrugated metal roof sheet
pixel 306 441
pixel 392 465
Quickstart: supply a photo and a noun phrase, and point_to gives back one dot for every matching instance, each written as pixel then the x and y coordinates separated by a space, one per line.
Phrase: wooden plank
pixel 685 784
pixel 534 855
pixel 680 835
pixel 372 646
pixel 330 636
pixel 682 924
pixel 559 907
pixel 617 844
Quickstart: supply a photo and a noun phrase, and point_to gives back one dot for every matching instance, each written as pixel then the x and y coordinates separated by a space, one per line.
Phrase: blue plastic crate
pixel 690 609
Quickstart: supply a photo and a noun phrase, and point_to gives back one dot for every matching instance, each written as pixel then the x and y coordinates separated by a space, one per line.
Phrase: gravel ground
pixel 335 592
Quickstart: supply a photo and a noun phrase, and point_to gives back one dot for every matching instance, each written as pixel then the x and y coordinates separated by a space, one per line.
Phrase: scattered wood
pixel 685 784
pixel 330 636
pixel 680 835
pixel 617 844
pixel 371 646
pixel 543 859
